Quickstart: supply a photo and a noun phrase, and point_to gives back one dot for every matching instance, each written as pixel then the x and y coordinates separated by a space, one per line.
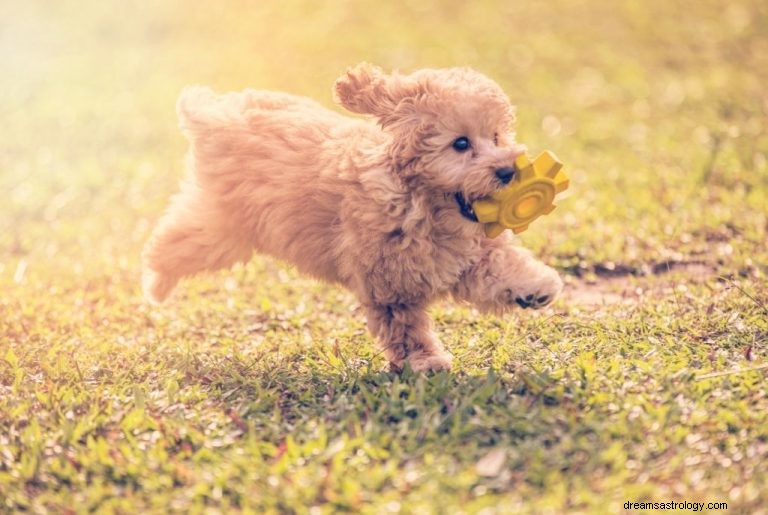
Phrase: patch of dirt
pixel 611 269
pixel 627 285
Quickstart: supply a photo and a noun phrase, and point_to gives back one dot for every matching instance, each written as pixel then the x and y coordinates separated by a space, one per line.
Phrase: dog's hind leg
pixel 194 235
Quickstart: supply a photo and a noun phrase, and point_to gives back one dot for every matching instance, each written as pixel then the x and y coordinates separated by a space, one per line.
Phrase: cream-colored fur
pixel 370 206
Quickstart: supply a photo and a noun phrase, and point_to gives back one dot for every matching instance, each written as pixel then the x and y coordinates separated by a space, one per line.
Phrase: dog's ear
pixel 366 89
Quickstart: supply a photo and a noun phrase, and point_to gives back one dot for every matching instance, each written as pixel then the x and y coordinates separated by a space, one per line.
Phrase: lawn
pixel 259 390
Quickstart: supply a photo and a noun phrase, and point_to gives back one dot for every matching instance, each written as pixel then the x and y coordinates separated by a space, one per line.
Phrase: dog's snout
pixel 505 174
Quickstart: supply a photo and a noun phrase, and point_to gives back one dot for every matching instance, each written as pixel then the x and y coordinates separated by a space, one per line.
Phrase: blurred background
pixel 658 110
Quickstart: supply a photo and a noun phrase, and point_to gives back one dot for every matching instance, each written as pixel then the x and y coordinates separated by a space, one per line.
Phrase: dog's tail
pixel 198 108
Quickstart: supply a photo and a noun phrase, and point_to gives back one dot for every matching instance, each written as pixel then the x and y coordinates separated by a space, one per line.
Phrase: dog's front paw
pixel 536 292
pixel 532 301
pixel 426 362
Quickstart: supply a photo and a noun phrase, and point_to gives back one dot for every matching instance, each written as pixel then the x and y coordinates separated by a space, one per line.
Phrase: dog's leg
pixel 405 333
pixel 192 236
pixel 507 276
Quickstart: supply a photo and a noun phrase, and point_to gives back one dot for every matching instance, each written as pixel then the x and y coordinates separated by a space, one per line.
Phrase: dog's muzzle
pixel 465 207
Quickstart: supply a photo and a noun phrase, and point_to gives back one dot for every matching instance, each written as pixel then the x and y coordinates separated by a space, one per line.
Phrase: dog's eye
pixel 461 144
pixel 496 139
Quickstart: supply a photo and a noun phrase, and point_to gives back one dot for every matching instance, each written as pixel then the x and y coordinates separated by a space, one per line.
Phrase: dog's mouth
pixel 465 207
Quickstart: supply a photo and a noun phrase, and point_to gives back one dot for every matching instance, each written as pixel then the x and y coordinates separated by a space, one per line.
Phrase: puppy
pixel 383 209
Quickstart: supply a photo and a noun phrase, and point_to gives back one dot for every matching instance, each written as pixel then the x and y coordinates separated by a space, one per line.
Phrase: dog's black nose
pixel 505 174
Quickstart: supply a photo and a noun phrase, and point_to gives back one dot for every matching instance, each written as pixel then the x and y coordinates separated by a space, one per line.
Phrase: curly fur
pixel 369 206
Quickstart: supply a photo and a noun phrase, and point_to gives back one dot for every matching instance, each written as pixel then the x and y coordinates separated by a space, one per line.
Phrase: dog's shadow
pixel 275 396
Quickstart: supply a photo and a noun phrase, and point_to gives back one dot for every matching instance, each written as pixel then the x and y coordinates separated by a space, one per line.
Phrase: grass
pixel 258 390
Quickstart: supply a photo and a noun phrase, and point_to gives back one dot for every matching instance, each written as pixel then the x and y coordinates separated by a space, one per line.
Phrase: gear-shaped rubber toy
pixel 527 197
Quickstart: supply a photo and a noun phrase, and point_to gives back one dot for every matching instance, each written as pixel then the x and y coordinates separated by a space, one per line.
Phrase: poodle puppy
pixel 381 207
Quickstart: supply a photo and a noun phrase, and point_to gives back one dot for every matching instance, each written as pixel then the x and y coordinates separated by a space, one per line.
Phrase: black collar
pixel 465 208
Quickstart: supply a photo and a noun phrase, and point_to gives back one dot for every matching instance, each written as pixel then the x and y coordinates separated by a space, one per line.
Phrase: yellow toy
pixel 527 197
